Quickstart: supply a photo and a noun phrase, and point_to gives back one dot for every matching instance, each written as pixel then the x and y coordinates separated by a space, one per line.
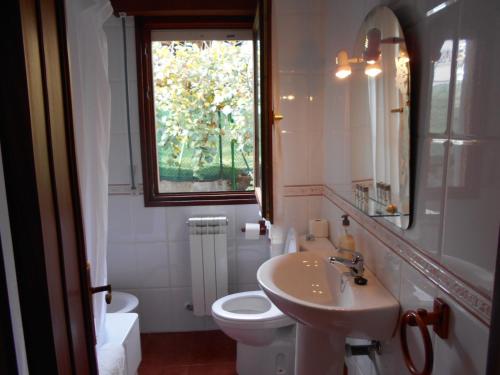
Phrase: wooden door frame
pixel 8 362
pixel 42 190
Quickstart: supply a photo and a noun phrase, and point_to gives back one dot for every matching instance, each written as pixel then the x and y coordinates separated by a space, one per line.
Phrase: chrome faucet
pixel 355 264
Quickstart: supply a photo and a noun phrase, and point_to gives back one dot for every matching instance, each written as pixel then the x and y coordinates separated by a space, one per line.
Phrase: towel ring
pixel 439 319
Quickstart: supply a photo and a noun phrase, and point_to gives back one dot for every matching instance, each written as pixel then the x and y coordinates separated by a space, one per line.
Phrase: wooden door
pixel 42 189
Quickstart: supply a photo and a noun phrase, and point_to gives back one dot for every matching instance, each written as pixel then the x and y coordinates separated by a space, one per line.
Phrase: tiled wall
pixel 448 222
pixel 298 60
pixel 148 252
pixel 457 200
pixel 463 353
pixel 148 255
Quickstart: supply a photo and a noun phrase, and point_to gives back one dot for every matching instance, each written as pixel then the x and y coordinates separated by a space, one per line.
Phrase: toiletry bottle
pixel 346 241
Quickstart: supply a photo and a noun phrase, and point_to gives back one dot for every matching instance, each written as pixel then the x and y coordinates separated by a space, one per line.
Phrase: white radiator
pixel 208 244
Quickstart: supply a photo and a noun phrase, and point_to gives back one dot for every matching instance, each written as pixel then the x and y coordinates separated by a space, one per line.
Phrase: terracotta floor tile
pixel 186 353
pixel 213 369
pixel 169 370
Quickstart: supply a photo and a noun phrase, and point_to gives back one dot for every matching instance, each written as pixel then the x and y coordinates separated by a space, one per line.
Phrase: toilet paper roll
pixel 252 231
pixel 318 228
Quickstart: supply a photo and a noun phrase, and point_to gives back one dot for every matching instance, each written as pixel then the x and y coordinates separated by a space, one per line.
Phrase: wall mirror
pixel 379 79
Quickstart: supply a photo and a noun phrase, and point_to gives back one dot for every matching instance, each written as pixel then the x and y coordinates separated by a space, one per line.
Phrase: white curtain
pixel 91 96
pixel 383 97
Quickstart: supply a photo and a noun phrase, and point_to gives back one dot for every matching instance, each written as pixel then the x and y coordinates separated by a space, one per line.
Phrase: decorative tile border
pixel 289 190
pixel 303 190
pixel 473 301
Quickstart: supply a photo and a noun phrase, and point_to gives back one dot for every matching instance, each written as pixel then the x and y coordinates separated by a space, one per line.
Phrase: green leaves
pixel 194 81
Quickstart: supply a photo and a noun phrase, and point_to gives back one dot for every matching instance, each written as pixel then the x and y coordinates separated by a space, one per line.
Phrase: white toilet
pixel 249 317
pixel 265 336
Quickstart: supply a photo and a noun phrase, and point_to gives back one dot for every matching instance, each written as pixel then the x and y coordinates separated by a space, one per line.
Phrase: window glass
pixel 203 88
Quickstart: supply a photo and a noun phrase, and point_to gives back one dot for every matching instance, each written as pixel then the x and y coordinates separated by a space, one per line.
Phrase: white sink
pixel 328 307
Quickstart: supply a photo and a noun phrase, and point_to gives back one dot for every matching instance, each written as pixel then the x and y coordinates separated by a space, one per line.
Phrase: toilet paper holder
pixel 262 228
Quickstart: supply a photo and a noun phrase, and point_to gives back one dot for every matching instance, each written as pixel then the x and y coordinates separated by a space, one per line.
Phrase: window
pixel 203 98
pixel 204 88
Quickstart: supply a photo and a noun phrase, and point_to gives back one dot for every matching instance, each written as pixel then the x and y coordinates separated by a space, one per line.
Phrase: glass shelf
pixel 372 208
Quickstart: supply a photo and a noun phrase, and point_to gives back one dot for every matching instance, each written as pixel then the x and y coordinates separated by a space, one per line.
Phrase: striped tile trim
pixel 303 190
pixel 124 189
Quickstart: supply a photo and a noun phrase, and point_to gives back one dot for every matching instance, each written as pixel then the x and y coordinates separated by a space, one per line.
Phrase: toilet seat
pixel 249 310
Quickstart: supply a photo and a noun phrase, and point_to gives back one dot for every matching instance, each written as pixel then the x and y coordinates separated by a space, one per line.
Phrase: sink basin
pixel 308 288
pixel 328 306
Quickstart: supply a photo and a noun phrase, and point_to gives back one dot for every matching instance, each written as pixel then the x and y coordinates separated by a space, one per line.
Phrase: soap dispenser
pixel 346 241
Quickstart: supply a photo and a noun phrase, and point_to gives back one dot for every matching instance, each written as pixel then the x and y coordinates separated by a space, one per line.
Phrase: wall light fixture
pixel 371 55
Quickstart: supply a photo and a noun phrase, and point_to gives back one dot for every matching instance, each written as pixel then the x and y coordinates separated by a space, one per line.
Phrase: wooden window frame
pixel 152 195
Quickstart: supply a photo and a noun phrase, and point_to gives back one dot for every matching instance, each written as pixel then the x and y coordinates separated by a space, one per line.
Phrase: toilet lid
pixel 249 310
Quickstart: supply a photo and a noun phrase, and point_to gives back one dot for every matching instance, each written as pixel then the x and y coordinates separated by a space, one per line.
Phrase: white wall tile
pixel 299 7
pixel 472 213
pixel 115 51
pixel 131 56
pixel 210 324
pixel 232 261
pixel 294 209
pixel 387 266
pixel 133 106
pixel 152 264
pixel 336 166
pixel 314 210
pixel 120 219
pixel 180 263
pixel 149 223
pixel 465 351
pixel 300 39
pixel 118 108
pixel 246 287
pixel 315 156
pixel 333 214
pixel 119 160
pixel 183 319
pixel 155 314
pixel 122 265
pixel 293 102
pixel 295 163
pixel 250 255
pixel 416 292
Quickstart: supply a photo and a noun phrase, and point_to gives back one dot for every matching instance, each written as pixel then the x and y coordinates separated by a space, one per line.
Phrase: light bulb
pixel 343 71
pixel 343 68
pixel 373 70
